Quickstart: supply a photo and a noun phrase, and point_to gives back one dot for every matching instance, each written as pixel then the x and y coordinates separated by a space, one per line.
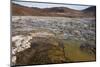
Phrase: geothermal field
pixel 45 40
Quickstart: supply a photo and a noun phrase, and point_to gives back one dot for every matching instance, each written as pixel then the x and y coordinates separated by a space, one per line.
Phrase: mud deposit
pixel 43 40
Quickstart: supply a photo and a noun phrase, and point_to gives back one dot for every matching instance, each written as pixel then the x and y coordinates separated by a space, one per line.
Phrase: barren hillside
pixel 18 10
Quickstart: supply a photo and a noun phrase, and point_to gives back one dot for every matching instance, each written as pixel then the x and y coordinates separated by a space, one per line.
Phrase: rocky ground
pixel 43 40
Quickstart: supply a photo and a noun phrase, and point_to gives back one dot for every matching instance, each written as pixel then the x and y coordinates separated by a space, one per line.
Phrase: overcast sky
pixel 46 5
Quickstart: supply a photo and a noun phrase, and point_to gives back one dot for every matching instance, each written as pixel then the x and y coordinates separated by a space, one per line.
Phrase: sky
pixel 48 5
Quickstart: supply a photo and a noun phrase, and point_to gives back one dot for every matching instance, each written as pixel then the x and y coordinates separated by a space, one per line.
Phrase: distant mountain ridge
pixel 92 8
pixel 90 11
pixel 20 10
